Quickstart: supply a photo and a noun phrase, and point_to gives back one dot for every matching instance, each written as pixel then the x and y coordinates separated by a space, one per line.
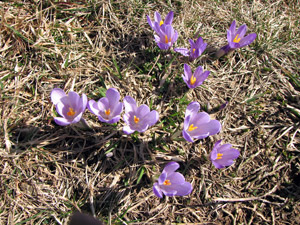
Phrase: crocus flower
pixel 156 24
pixel 166 37
pixel 196 79
pixel 171 183
pixel 198 125
pixel 70 107
pixel 137 118
pixel 223 155
pixel 236 39
pixel 197 48
pixel 108 109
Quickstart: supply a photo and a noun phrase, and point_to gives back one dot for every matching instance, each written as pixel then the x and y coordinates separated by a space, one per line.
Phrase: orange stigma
pixel 167 182
pixel 236 39
pixel 193 80
pixel 191 127
pixel 136 119
pixel 194 50
pixel 71 112
pixel 107 112
pixel 219 156
pixel 161 23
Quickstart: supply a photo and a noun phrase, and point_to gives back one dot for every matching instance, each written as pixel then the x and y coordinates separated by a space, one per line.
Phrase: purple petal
pixel 77 118
pixel 199 42
pixel 62 109
pixel 142 111
pixel 171 167
pixel 163 46
pixel 168 191
pixel 192 109
pixel 184 189
pixel 169 18
pixel 241 31
pixel 56 95
pixel 248 39
pixel 114 119
pixel 152 117
pixel 213 127
pixel 162 178
pixel 186 136
pixel 150 22
pixel 83 103
pixel 176 178
pixel 157 17
pixel 199 119
pixel 192 43
pixel 232 28
pixel 61 121
pixel 113 96
pixel 187 71
pixel 127 130
pixel 198 72
pixel 182 51
pixel 74 100
pixel 92 107
pixel 202 78
pixel 130 104
pixel 217 165
pixel 185 79
pixel 117 109
pixel 174 37
pixel 157 191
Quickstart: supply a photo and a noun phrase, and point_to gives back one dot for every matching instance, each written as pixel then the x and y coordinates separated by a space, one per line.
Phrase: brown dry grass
pixel 48 172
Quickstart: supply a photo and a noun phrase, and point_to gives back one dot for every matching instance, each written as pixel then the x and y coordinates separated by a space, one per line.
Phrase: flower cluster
pixel 197 125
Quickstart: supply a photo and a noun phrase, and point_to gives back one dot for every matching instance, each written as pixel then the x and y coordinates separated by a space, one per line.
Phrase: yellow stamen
pixel 71 112
pixel 194 50
pixel 166 39
pixel 107 112
pixel 193 80
pixel 167 182
pixel 236 39
pixel 191 127
pixel 136 119
pixel 161 23
pixel 219 156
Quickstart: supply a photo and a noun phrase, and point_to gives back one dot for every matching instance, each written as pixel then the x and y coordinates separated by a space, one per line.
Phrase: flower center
pixel 194 50
pixel 236 39
pixel 167 182
pixel 71 112
pixel 136 119
pixel 193 80
pixel 161 23
pixel 191 127
pixel 167 40
pixel 219 156
pixel 107 112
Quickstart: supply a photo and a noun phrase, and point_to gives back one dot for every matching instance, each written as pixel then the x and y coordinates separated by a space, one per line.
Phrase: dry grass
pixel 48 172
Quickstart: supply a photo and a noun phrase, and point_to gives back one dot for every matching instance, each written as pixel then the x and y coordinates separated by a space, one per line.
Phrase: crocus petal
pixel 184 189
pixel 176 178
pixel 212 127
pixel 77 118
pixel 170 192
pixel 163 46
pixel 157 17
pixel 232 28
pixel 162 178
pixel 130 104
pixel 56 95
pixel 117 109
pixel 182 51
pixel 199 42
pixel 127 130
pixel 198 72
pixel 114 119
pixel 199 119
pixel 202 78
pixel 241 31
pixel 84 102
pixel 186 136
pixel 150 22
pixel 248 39
pixel 142 111
pixel 113 96
pixel 187 71
pixel 74 99
pixel 171 167
pixel 92 107
pixel 152 117
pixel 169 18
pixel 217 165
pixel 61 109
pixel 157 190
pixel 192 109
pixel 61 121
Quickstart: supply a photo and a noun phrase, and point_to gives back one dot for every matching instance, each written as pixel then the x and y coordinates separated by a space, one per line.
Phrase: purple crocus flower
pixel 223 155
pixel 196 79
pixel 236 39
pixel 197 48
pixel 108 109
pixel 158 22
pixel 70 107
pixel 171 183
pixel 198 125
pixel 137 118
pixel 166 37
